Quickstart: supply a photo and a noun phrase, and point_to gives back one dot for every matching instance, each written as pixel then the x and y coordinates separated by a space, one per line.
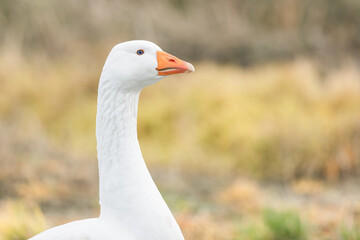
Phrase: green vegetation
pixel 350 233
pixel 275 225
pixel 284 225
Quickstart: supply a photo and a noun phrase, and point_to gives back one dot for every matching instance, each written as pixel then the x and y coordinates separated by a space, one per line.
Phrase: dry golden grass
pixel 243 196
pixel 275 122
pixel 19 221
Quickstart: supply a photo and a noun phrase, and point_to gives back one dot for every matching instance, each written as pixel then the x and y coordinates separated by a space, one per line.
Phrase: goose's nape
pixel 131 206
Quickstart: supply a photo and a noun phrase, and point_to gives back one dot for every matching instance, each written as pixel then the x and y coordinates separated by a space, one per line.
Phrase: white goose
pixel 132 207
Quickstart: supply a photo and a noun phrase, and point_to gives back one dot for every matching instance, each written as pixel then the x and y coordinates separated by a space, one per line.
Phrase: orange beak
pixel 169 64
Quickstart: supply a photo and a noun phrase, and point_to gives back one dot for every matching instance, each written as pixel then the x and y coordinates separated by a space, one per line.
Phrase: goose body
pixel 132 207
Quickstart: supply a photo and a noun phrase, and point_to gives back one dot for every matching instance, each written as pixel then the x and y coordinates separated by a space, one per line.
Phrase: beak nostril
pixel 172 60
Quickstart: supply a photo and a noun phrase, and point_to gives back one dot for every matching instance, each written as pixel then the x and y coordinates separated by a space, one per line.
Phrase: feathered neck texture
pixel 118 149
pixel 128 195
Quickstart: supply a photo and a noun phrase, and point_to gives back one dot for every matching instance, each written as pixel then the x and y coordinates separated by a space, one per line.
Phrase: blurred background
pixel 261 142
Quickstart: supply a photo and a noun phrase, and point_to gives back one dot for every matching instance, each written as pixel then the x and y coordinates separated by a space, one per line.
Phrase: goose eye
pixel 140 52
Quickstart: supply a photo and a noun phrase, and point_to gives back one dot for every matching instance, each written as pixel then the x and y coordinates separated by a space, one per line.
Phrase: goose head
pixel 136 64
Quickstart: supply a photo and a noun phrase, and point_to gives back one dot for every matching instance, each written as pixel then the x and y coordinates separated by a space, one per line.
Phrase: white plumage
pixel 132 208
